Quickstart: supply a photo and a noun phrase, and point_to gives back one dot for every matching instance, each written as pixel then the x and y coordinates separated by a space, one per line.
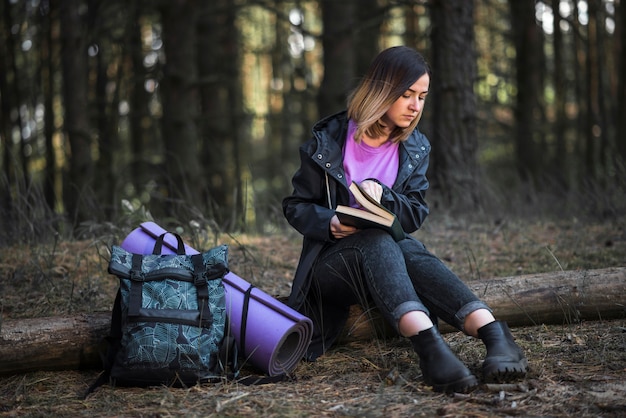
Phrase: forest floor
pixel 576 369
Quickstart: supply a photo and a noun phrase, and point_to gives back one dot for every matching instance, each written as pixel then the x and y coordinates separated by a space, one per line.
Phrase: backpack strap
pixel 136 286
pixel 253 379
pixel 113 343
pixel 244 320
pixel 158 244
pixel 202 288
pixel 228 356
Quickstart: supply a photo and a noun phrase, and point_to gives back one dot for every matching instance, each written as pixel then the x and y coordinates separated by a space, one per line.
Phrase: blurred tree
pixel 558 159
pixel 579 90
pixel 350 41
pixel 6 124
pixel 295 66
pixel 369 19
pixel 594 135
pixel 620 132
pixel 529 73
pixel 49 51
pixel 108 51
pixel 339 60
pixel 286 107
pixel 221 112
pixel 78 184
pixel 145 139
pixel 185 180
pixel 455 145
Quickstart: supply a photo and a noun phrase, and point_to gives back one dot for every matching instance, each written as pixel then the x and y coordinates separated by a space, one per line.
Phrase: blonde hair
pixel 390 75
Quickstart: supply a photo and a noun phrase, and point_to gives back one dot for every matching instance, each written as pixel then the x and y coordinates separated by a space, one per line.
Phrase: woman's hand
pixel 339 230
pixel 373 189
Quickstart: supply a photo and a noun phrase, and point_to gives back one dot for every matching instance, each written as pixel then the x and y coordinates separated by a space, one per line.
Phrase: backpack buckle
pixel 137 276
pixel 200 279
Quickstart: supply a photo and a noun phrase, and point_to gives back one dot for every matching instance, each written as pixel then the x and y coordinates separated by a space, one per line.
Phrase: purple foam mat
pixel 277 336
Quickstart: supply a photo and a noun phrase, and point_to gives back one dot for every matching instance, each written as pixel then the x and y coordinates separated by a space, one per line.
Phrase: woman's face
pixel 408 106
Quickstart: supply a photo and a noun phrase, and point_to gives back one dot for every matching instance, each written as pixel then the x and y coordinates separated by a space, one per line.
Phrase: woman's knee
pixel 378 242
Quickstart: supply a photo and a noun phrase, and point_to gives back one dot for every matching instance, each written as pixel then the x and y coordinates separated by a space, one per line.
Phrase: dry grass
pixel 576 369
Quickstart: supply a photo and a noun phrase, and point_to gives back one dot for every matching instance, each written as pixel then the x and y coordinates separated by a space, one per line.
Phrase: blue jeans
pixel 399 277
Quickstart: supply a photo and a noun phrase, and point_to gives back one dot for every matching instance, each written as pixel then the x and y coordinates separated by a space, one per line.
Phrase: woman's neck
pixel 375 142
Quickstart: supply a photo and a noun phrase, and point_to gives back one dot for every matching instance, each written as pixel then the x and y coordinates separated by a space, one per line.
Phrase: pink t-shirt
pixel 360 161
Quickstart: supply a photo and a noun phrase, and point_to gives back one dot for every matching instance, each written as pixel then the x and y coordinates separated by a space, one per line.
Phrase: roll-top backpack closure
pixel 199 276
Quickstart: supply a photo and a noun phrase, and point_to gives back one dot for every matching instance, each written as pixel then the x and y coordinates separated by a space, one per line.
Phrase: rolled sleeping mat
pixel 269 334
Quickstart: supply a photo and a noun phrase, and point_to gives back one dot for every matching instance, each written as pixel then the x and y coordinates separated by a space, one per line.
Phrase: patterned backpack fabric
pixel 169 323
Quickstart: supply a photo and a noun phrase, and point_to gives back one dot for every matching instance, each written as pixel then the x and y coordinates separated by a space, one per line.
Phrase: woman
pixel 376 143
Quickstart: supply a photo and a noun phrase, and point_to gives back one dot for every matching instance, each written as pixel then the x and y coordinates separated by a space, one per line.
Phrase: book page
pixel 368 202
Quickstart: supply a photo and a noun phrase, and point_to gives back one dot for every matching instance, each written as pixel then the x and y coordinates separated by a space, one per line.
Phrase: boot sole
pixel 501 372
pixel 464 385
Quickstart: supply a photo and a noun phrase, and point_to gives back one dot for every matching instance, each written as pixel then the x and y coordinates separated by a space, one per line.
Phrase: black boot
pixel 440 367
pixel 505 360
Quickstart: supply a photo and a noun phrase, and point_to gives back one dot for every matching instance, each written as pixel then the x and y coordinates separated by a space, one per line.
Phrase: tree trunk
pixel 621 93
pixel 48 43
pixel 528 58
pixel 214 29
pixel 339 59
pixel 222 121
pixel 76 117
pixel 106 121
pixel 367 35
pixel 6 127
pixel 145 138
pixel 558 165
pixel 455 144
pixel 580 92
pixel 350 43
pixel 605 95
pixel 286 105
pixel 550 298
pixel 594 129
pixel 186 181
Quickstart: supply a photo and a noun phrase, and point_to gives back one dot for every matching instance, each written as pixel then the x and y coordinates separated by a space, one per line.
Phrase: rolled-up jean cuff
pixel 468 309
pixel 406 307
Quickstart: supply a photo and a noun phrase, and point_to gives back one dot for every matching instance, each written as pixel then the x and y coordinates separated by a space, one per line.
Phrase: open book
pixel 371 215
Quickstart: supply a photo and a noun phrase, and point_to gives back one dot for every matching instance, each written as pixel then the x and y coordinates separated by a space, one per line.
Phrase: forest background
pixel 194 110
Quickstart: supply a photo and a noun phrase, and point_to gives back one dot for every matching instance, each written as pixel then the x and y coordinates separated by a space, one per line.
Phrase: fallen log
pixel 564 297
pixel 62 343
pixel 52 343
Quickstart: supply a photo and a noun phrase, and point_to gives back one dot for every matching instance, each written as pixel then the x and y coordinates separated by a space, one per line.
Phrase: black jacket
pixel 319 186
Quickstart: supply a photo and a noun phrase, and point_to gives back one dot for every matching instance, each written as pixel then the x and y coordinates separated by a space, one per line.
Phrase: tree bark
pixel 54 343
pixel 79 181
pixel 6 144
pixel 145 139
pixel 528 63
pixel 49 20
pixel 593 137
pixel 339 59
pixel 558 165
pixel 454 159
pixel 181 105
pixel 61 343
pixel 222 116
pixel 621 93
